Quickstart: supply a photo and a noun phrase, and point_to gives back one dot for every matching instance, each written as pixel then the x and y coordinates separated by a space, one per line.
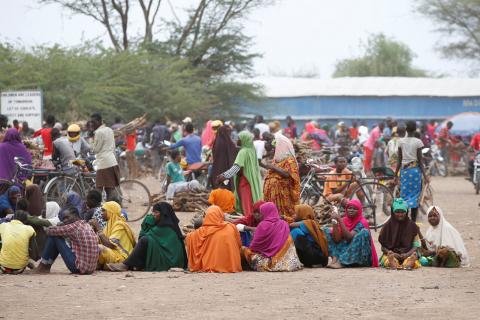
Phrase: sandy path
pixel 311 294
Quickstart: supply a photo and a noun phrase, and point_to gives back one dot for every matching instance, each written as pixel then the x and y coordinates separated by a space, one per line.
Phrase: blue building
pixel 370 98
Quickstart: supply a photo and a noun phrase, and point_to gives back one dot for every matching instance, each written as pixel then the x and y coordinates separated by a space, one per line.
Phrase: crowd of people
pixel 253 171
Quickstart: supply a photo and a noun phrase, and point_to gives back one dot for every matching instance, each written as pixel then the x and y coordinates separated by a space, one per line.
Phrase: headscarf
pixel 445 235
pixel 208 135
pixel 168 218
pixel 250 219
pixel 36 203
pixel 351 223
pixel 116 220
pixel 207 253
pixel 224 152
pixel 305 213
pixel 248 161
pixel 5 199
pixel 73 200
pixel 223 198
pixel 398 236
pixel 10 148
pixel 271 233
pixel 52 209
pixel 283 148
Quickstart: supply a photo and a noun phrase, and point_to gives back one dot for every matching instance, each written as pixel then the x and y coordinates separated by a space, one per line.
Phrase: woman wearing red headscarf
pixel 350 243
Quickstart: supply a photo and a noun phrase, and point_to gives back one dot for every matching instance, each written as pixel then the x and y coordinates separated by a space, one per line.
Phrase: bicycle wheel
pixel 58 188
pixel 136 199
pixel 377 201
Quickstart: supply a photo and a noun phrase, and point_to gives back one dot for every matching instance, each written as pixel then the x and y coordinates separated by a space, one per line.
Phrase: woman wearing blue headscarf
pixel 8 201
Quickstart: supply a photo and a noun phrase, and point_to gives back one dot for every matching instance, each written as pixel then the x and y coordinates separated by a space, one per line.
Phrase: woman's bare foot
pixel 117 267
pixel 42 268
pixel 411 262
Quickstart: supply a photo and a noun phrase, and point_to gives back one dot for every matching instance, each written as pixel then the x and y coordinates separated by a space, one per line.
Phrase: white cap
pixel 187 120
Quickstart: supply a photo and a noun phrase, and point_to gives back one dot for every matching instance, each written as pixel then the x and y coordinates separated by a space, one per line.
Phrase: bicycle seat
pixel 198 166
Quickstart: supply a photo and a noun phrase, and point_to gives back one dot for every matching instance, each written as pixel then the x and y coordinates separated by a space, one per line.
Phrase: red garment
pixel 445 134
pixel 250 220
pixel 245 193
pixel 46 134
pixel 84 243
pixel 353 133
pixel 131 141
pixel 475 143
pixel 367 159
pixel 431 130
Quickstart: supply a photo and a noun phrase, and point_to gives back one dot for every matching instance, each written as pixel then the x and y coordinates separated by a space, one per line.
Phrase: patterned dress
pixel 411 184
pixel 284 192
pixel 285 260
pixel 356 253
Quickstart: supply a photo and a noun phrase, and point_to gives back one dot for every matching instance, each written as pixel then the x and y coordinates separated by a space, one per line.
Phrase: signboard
pixel 23 106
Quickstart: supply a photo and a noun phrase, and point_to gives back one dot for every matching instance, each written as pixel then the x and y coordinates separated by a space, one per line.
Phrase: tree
pixel 383 57
pixel 459 22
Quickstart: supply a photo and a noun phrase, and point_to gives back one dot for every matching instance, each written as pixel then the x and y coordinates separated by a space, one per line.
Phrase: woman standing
pixel 246 175
pixel 224 152
pixel 282 183
pixel 10 148
pixel 410 166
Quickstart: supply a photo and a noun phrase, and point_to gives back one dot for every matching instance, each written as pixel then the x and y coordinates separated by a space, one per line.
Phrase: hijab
pixel 224 152
pixel 351 223
pixel 5 199
pixel 168 218
pixel 305 213
pixel 248 161
pixel 10 148
pixel 250 219
pixel 52 209
pixel 116 221
pixel 73 200
pixel 283 148
pixel 36 203
pixel 208 134
pixel 398 236
pixel 445 235
pixel 271 232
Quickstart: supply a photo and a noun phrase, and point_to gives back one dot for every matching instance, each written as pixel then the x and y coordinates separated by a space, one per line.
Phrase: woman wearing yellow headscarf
pixel 117 240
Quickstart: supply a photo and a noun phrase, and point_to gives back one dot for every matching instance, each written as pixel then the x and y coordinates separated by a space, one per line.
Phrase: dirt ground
pixel 310 294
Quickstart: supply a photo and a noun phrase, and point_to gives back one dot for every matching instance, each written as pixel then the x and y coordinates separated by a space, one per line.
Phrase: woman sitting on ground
pixel 8 201
pixel 93 208
pixel 247 224
pixel 73 200
pixel 444 244
pixel 399 239
pixel 223 198
pixel 349 241
pixel 272 247
pixel 36 202
pixel 215 246
pixel 160 243
pixel 310 240
pixel 117 239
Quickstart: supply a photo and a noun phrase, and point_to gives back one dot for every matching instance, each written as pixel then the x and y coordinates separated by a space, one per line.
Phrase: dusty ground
pixel 311 294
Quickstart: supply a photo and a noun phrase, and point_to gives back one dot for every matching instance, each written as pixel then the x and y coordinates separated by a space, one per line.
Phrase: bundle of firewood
pixel 303 150
pixel 35 151
pixel 132 126
pixel 190 201
pixel 323 212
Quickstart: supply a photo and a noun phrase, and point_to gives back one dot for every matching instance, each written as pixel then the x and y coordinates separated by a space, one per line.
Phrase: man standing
pixel 160 133
pixel 108 172
pixel 443 141
pixel 192 144
pixel 474 147
pixel 63 153
pixel 46 135
pixel 369 146
pixel 261 125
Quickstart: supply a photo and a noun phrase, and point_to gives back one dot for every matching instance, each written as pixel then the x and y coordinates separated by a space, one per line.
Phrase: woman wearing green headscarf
pixel 246 175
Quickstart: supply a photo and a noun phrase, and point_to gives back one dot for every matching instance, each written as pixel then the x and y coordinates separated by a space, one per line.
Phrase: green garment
pixel 248 161
pixel 165 250
pixel 37 222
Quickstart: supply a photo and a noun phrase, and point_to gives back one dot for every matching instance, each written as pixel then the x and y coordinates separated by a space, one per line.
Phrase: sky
pixel 293 36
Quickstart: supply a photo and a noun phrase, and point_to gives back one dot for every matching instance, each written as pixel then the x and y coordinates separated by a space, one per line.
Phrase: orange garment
pixel 333 183
pixel 215 246
pixel 223 198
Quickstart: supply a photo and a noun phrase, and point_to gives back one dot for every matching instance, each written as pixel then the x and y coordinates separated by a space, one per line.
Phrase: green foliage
pixel 383 57
pixel 459 23
pixel 78 81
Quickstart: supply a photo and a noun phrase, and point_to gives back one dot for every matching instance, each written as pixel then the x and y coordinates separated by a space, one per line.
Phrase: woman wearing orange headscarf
pixel 215 246
pixel 117 240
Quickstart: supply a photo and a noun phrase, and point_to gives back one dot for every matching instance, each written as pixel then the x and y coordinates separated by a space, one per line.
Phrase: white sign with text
pixel 23 106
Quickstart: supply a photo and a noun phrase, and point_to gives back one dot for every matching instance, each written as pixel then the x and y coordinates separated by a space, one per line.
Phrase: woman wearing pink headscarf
pixel 350 243
pixel 272 247
pixel 208 135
